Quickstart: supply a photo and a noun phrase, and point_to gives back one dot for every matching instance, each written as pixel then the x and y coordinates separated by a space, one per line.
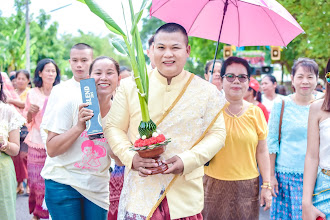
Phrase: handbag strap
pixel 281 118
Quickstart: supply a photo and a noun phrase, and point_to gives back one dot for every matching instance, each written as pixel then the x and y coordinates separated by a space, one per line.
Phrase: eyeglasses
pixel 327 76
pixel 231 77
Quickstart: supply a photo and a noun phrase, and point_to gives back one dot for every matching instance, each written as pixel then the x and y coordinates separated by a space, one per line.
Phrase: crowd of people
pixel 236 144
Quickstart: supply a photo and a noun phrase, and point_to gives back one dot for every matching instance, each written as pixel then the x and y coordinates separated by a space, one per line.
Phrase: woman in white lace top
pixel 316 196
pixel 10 122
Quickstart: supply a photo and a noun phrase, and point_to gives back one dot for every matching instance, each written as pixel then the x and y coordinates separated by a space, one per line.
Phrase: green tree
pixel 313 17
pixel 12 40
pixel 43 39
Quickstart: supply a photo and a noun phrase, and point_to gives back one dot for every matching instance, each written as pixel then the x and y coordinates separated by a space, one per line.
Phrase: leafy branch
pixel 131 46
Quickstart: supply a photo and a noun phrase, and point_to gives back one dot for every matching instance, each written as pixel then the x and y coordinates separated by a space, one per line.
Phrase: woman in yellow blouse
pixel 231 182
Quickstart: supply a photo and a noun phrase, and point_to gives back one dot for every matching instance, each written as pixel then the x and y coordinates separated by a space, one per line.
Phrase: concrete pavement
pixel 22 209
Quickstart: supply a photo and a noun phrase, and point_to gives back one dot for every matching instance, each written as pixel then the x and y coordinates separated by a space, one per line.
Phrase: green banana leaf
pixel 138 16
pixel 95 8
pixel 135 52
pixel 113 30
pixel 120 45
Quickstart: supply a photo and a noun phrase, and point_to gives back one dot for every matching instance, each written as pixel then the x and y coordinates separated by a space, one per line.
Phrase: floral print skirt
pixel 287 204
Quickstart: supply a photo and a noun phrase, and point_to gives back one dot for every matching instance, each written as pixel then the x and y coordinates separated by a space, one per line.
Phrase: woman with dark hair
pixel 288 148
pixel 46 75
pixel 231 183
pixel 270 93
pixel 317 203
pixel 20 161
pixel 11 95
pixel 106 71
pixel 253 95
pixel 22 80
pixel 10 122
pixel 216 79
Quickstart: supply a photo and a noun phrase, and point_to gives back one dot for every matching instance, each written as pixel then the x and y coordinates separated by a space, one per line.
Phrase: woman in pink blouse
pixel 47 74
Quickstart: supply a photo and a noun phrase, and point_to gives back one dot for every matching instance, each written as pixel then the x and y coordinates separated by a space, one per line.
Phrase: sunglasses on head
pixel 327 77
pixel 231 77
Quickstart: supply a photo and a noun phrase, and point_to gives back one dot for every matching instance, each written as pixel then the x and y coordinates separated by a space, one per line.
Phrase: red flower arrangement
pixel 144 143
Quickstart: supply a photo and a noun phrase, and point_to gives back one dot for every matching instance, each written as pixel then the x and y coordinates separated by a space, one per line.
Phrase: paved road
pixel 22 208
pixel 22 211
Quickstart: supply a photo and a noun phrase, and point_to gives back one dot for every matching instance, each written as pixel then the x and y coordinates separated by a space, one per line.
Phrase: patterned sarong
pixel 163 212
pixel 287 204
pixel 228 200
pixel 116 184
pixel 35 163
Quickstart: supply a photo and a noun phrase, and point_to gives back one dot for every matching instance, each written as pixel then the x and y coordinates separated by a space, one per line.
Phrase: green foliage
pixel 12 40
pixel 45 42
pixel 313 17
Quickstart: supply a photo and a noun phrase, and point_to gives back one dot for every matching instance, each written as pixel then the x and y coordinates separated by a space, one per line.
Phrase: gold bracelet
pixel 266 183
pixel 266 187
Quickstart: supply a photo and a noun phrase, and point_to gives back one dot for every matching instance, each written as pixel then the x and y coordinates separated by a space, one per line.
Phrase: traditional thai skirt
pixel 228 200
pixel 35 163
pixel 288 203
pixel 116 185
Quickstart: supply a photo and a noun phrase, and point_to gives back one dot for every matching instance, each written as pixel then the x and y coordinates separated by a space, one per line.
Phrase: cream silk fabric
pixel 184 125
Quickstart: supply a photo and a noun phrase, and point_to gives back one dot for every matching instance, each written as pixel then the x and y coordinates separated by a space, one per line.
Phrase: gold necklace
pixel 235 115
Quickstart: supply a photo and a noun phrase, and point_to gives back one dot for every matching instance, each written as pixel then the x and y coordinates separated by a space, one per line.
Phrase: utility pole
pixel 27 34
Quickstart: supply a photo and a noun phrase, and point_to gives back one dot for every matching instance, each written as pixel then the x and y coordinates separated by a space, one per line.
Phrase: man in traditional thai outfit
pixel 194 123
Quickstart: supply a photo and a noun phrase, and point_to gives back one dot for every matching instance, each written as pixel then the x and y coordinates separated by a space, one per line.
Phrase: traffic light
pixel 276 53
pixel 227 52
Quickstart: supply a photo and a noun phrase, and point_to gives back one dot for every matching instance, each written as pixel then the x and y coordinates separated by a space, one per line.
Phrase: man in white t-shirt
pixel 76 170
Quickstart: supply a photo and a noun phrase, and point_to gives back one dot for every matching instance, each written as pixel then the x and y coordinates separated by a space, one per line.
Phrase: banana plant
pixel 130 44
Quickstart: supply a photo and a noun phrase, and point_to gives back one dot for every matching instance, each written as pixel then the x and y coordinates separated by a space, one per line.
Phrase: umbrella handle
pixel 216 50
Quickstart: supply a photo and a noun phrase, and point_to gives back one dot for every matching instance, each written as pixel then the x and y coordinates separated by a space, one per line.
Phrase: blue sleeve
pixel 273 127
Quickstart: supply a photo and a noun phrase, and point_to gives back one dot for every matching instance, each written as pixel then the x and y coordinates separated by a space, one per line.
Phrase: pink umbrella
pixel 243 22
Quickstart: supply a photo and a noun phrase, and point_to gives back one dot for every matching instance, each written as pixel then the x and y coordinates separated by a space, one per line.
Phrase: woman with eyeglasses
pixel 316 190
pixel 288 149
pixel 231 183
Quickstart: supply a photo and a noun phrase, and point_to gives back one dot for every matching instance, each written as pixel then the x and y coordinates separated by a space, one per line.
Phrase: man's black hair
pixel 172 28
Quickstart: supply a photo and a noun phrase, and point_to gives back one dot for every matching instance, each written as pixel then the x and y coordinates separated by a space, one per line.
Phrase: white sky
pixel 77 16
